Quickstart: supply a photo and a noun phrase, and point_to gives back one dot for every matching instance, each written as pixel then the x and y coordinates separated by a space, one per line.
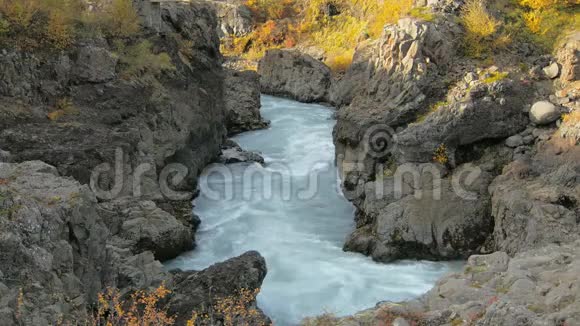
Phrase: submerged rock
pixel 295 75
pixel 233 153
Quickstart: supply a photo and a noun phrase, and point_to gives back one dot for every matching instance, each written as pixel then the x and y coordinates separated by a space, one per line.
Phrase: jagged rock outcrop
pixel 142 226
pixel 242 100
pixel 115 197
pixel 234 17
pixel 233 153
pixel 179 118
pixel 481 111
pixel 293 74
pixel 221 281
pixel 60 248
pixel 55 247
pixel 424 210
pixel 537 287
pixel 535 201
pixel 433 216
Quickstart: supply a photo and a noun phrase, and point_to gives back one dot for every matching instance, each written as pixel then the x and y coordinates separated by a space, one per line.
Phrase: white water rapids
pixel 300 236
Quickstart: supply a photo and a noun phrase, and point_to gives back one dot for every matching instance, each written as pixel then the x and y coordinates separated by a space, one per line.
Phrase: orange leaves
pixel 140 310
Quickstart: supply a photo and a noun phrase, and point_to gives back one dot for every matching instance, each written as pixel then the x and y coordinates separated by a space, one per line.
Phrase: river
pixel 293 213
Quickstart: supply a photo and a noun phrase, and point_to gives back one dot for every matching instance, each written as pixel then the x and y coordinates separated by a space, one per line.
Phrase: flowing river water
pixel 293 213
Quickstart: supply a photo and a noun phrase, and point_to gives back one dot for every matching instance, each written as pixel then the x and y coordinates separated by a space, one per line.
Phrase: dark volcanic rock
pixel 296 75
pixel 198 291
pixel 242 100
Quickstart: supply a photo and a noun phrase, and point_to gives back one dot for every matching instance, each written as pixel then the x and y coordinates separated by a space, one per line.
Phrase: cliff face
pixel 175 116
pixel 101 161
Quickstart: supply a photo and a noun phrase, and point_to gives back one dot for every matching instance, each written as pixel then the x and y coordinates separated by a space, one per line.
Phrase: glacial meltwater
pixel 293 213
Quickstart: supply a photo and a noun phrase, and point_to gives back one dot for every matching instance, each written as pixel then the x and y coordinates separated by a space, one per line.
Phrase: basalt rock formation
pixel 104 164
pixel 295 75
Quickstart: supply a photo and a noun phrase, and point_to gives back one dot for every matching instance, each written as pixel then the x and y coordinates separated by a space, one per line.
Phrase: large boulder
pixel 535 200
pixel 142 226
pixel 544 112
pixel 232 283
pixel 422 213
pixel 242 100
pixel 484 111
pixel 293 74
pixel 55 249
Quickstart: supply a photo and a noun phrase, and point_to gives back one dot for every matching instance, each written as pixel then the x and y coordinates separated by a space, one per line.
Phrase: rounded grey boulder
pixel 544 112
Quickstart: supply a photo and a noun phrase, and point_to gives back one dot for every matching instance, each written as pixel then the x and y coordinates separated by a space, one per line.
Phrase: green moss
pixel 432 109
pixel 496 76
pixel 423 13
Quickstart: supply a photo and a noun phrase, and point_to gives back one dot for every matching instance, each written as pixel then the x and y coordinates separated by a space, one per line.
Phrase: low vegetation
pixel 492 26
pixel 334 26
pixel 337 27
pixel 55 24
pixel 144 308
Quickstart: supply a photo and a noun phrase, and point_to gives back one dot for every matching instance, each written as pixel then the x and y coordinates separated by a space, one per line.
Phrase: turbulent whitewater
pixel 292 212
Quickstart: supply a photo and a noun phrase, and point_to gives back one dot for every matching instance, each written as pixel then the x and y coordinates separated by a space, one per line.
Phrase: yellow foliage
pixel 495 76
pixel 422 13
pixel 339 63
pixel 477 20
pixel 440 156
pixel 141 309
pixel 543 4
pixel 234 310
pixel 480 27
pixel 389 13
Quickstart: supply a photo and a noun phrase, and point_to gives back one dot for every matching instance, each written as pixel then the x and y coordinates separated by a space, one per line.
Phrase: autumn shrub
pixel 440 155
pixel 339 63
pixel 388 13
pixel 33 24
pixel 139 60
pixel 145 308
pixel 140 309
pixel 119 19
pixel 480 27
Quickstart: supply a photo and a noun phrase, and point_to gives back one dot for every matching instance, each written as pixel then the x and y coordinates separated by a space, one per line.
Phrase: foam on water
pixel 308 273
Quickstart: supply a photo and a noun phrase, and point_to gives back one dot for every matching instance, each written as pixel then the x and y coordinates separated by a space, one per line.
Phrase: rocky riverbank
pixel 446 158
pixel 90 151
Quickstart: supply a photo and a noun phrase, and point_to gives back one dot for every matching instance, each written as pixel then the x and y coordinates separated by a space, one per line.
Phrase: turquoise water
pixel 293 213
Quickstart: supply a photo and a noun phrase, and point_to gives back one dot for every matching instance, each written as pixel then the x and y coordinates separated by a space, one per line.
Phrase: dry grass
pixel 480 27
pixel 38 24
pixel 144 308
